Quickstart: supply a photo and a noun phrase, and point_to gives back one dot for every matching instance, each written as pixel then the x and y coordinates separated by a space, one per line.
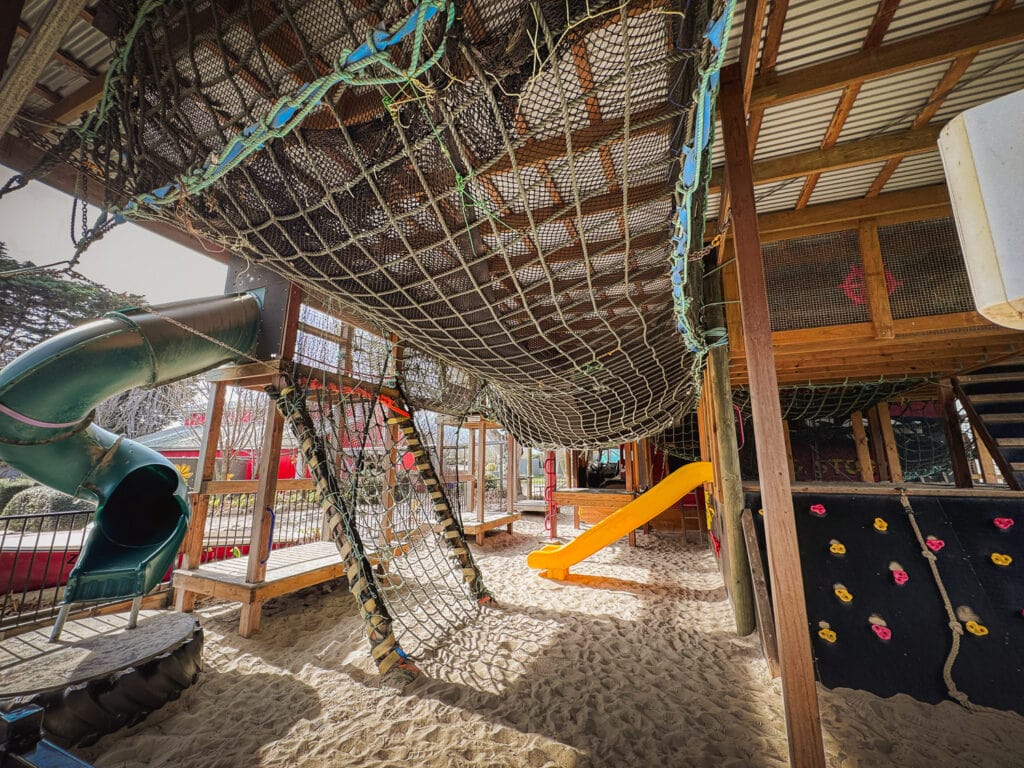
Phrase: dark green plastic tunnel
pixel 47 396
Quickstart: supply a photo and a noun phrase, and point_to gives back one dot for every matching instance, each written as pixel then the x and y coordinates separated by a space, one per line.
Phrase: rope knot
pixel 956 626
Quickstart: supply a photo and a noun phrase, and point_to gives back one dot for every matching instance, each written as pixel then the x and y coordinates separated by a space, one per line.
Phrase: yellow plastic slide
pixel 555 559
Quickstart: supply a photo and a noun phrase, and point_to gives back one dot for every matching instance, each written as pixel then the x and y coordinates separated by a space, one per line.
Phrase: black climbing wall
pixel 988 667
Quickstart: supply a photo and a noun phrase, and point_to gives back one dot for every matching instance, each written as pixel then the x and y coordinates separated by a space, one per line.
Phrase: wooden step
pixel 999 397
pixel 1010 442
pixel 1003 418
pixel 988 378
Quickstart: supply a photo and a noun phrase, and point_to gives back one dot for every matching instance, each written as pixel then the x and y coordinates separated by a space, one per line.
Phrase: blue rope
pixel 692 181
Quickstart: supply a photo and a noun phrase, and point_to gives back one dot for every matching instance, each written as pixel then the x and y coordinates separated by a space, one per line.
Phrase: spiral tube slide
pixel 47 397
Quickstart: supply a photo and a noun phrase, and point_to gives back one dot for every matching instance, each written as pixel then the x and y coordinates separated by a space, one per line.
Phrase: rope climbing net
pixel 398 533
pixel 504 186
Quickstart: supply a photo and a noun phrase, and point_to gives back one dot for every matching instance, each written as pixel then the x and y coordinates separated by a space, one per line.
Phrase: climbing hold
pixel 828 635
pixel 1000 559
pixel 900 577
pixel 881 525
pixel 837 547
pixel 934 544
pixel 1003 523
pixel 818 510
pixel 842 593
pixel 979 630
pixel 883 632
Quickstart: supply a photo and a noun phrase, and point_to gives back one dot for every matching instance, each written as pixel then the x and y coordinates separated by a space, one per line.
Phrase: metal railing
pixel 37 552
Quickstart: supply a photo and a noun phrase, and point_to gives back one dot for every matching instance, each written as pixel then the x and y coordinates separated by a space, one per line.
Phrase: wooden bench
pixel 592 505
pixel 479 528
pixel 288 569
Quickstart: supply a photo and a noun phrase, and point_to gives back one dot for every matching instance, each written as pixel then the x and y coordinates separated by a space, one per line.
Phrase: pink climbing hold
pixel 884 633
pixel 1003 523
pixel 818 509
pixel 900 577
pixel 935 544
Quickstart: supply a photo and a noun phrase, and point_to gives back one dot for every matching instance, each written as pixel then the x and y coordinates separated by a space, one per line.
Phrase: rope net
pixel 398 533
pixel 494 183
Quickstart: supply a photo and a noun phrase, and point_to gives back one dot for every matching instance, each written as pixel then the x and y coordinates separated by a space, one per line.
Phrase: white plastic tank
pixel 983 156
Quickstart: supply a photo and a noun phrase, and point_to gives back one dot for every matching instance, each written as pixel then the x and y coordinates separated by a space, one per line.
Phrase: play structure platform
pixel 592 505
pixel 555 560
pixel 288 570
pixel 100 675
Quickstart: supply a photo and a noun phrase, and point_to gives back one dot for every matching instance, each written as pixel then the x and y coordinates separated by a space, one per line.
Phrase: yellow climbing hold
pixel 843 594
pixel 837 547
pixel 881 525
pixel 828 635
pixel 1001 559
pixel 979 630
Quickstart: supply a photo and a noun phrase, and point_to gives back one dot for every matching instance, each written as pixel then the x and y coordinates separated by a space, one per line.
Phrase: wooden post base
pixel 249 623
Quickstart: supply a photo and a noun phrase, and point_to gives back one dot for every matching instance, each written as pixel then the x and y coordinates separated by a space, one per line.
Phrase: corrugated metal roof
pixel 819 30
pixel 891 103
pixel 844 184
pixel 795 127
pixel 917 171
pixel 915 17
pixel 992 74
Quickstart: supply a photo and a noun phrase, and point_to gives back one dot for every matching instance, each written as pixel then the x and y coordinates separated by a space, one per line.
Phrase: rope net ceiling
pixel 496 188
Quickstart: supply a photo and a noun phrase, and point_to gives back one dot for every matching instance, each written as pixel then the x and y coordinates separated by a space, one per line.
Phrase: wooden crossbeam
pixel 65 59
pixel 849 154
pixel 910 53
pixel 69 108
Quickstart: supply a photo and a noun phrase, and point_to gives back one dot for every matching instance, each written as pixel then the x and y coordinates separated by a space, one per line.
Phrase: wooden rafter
pixel 847 155
pixel 942 89
pixel 70 63
pixel 876 32
pixel 909 53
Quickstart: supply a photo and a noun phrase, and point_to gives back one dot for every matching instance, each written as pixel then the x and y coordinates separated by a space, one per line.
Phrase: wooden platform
pixel 537 506
pixel 491 521
pixel 592 505
pixel 288 570
pixel 88 649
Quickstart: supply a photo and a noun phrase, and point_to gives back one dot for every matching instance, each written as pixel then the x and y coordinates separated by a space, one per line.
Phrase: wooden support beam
pixel 24 72
pixel 878 453
pixel 860 442
pixel 789 450
pixel 798 687
pixel 70 108
pixel 765 622
pixel 22 156
pixel 954 435
pixel 892 455
pixel 909 53
pixel 875 283
pixel 921 202
pixel 849 154
pixel 206 467
pixel 754 14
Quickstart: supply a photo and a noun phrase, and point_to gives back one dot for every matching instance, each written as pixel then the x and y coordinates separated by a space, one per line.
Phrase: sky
pixel 35 226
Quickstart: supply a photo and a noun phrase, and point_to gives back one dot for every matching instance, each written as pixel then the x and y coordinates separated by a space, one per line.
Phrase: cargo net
pixel 491 182
pixel 401 540
pixel 821 433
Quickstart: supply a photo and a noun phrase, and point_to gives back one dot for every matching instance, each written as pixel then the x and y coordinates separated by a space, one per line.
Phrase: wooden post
pixel 954 436
pixel 988 464
pixel 513 472
pixel 799 695
pixel 266 491
pixel 185 600
pixel 892 455
pixel 860 441
pixel 877 447
pixel 789 451
pixel 728 478
pixel 876 288
pixel 481 479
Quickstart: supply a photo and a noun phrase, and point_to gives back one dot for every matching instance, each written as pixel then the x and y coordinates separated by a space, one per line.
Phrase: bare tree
pixel 241 430
pixel 142 411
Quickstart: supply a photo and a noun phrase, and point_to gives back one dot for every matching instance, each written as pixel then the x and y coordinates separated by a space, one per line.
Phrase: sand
pixel 633 663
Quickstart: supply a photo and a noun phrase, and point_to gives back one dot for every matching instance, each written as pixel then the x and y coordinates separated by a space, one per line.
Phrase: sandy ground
pixel 630 664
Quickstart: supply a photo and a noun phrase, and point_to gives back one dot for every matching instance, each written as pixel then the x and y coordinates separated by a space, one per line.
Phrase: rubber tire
pixel 80 714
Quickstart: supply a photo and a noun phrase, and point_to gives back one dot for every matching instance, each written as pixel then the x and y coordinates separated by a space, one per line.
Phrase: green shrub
pixel 9 488
pixel 38 499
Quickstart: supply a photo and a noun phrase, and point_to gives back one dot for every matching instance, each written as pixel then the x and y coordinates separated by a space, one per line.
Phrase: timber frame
pixel 854 173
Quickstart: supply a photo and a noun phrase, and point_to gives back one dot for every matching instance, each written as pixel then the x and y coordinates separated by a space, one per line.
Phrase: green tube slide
pixel 47 396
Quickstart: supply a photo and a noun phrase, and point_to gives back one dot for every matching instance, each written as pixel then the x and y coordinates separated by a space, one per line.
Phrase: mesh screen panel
pixel 927 266
pixel 815 281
